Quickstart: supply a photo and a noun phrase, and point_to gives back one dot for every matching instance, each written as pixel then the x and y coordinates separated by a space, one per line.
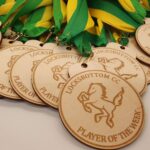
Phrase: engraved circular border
pixel 125 53
pixel 80 139
pixel 137 38
pixel 33 80
pixel 16 90
pixel 35 88
pixel 4 49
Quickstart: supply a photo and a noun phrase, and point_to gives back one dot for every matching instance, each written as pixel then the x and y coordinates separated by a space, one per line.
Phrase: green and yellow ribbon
pixel 38 22
pixel 29 7
pixel 6 6
pixel 95 35
pixel 78 19
pixel 60 14
pixel 134 9
pixel 82 23
pixel 7 19
pixel 112 15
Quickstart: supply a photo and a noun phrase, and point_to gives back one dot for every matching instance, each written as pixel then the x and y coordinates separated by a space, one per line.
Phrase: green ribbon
pixel 7 19
pixel 59 12
pixel 79 21
pixel 134 9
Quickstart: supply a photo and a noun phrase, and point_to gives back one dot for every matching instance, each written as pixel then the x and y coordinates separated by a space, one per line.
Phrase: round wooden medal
pixel 143 37
pixel 122 64
pixel 50 76
pixel 7 57
pixel 101 110
pixel 21 72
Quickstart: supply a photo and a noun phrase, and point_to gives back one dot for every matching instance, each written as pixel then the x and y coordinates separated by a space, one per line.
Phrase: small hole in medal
pixel 122 47
pixel 10 42
pixel 41 44
pixel 84 65
pixel 68 48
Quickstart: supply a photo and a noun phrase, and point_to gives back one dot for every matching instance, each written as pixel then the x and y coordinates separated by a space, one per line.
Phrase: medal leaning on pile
pixel 88 59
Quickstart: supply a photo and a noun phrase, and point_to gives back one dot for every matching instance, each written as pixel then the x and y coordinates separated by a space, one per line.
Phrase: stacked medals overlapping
pixel 92 57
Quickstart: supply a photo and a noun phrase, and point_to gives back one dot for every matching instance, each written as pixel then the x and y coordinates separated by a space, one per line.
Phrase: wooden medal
pixel 122 64
pixel 143 37
pixel 21 72
pixel 7 57
pixel 51 74
pixel 101 110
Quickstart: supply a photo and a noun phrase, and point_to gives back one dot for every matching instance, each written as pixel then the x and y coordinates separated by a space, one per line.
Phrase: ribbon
pixel 112 15
pixel 78 19
pixel 60 14
pixel 29 7
pixel 134 9
pixel 36 24
pixel 5 6
pixel 118 36
pixel 7 19
pixel 95 35
pixel 82 23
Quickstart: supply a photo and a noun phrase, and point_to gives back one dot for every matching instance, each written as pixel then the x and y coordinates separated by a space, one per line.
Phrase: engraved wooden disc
pixel 143 37
pixel 7 57
pixel 101 110
pixel 21 72
pixel 50 76
pixel 122 64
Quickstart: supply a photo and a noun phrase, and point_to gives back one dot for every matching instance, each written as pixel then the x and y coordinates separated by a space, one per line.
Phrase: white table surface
pixel 24 126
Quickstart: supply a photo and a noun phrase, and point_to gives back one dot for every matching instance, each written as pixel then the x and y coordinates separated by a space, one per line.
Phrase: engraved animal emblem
pixel 115 65
pixel 34 64
pixel 60 73
pixel 96 98
pixel 10 63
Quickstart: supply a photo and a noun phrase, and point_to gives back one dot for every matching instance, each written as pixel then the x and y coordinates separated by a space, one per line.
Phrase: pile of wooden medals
pixel 99 97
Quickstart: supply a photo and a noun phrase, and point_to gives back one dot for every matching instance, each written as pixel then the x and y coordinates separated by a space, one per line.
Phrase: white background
pixel 24 126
